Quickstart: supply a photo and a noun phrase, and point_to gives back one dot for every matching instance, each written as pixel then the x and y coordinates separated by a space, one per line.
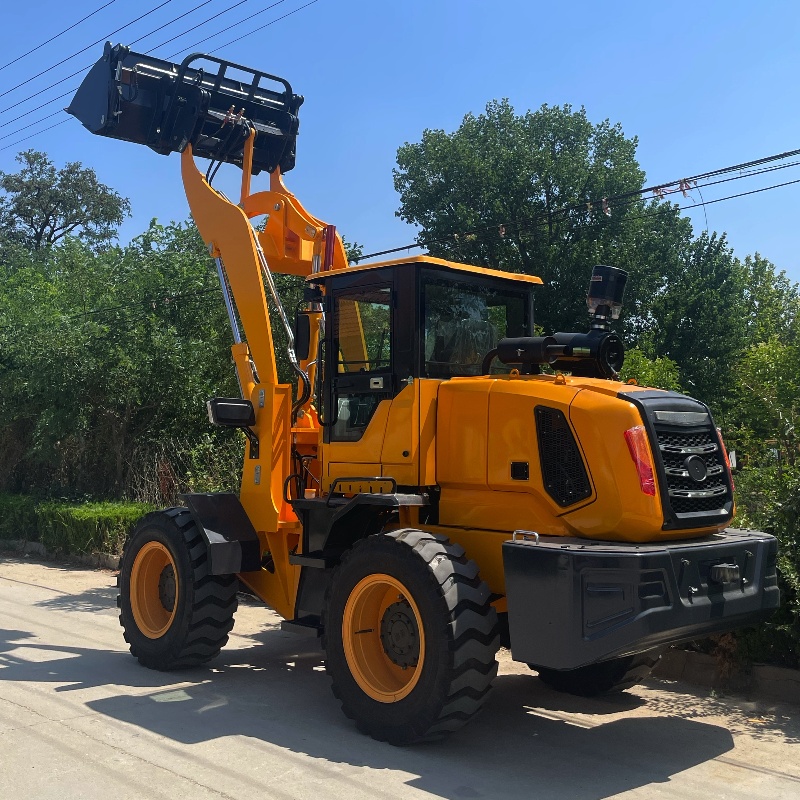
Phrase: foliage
pixel 17 516
pixel 524 193
pixel 69 527
pixel 103 352
pixel 698 321
pixel 43 205
pixel 660 373
pixel 89 527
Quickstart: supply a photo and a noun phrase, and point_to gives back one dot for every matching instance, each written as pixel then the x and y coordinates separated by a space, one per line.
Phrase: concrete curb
pixel 762 681
pixel 102 560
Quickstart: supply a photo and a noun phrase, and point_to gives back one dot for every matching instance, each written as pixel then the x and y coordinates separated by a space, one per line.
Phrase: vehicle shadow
pixel 527 740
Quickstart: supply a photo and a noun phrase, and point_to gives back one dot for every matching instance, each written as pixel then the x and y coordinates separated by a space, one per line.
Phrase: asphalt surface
pixel 79 718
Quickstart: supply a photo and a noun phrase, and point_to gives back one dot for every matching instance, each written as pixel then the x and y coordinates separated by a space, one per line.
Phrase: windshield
pixel 463 321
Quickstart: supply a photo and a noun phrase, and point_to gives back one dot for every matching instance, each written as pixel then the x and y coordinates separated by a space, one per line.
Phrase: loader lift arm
pixel 220 110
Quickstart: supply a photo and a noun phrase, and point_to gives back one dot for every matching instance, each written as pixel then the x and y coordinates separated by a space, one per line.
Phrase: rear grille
pixel 687 494
pixel 563 472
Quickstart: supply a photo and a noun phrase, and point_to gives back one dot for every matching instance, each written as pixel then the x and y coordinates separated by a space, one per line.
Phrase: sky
pixel 703 85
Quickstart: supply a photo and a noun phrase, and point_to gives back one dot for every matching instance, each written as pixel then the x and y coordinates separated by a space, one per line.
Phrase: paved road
pixel 79 718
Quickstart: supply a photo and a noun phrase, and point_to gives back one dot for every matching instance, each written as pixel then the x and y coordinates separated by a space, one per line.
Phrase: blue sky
pixel 702 84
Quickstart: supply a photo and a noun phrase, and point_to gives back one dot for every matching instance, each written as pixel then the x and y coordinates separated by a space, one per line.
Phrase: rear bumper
pixel 573 602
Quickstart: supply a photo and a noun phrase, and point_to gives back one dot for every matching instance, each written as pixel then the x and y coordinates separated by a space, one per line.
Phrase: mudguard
pixel 232 541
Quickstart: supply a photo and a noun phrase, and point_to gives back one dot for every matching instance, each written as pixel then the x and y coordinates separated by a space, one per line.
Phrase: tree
pixel 42 205
pixel 698 320
pixel 108 353
pixel 524 193
pixel 660 373
pixel 771 302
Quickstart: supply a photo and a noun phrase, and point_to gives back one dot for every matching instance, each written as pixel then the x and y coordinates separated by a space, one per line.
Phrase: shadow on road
pixel 271 687
pixel 276 692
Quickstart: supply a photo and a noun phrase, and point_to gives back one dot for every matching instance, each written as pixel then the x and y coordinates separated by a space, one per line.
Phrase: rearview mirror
pixel 231 412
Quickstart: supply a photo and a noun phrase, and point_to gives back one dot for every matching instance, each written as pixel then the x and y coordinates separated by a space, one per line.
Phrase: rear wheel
pixel 173 612
pixel 410 636
pixel 606 677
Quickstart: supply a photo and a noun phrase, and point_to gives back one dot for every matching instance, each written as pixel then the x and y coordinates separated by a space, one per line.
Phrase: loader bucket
pixel 141 99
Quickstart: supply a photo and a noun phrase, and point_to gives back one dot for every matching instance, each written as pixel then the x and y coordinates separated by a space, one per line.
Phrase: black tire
pixel 457 661
pixel 197 621
pixel 605 677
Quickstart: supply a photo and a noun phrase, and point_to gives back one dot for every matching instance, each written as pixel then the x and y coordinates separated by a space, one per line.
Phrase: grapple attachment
pixel 141 99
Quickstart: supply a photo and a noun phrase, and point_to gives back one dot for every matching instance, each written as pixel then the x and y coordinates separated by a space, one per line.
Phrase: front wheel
pixel 410 636
pixel 173 612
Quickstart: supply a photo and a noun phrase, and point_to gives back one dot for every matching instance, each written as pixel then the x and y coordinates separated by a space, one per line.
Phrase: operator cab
pixel 391 323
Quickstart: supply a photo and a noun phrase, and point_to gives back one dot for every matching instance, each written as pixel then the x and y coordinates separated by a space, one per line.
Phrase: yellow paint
pixel 428 407
pixel 376 675
pixel 462 434
pixel 402 437
pixel 411 261
pixel 152 619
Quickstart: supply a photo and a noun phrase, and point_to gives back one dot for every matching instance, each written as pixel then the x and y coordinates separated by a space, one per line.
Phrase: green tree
pixel 771 302
pixel 524 193
pixel 106 353
pixel 42 205
pixel 660 373
pixel 697 318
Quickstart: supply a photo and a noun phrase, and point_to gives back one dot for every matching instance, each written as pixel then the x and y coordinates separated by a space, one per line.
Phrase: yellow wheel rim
pixel 384 642
pixel 154 590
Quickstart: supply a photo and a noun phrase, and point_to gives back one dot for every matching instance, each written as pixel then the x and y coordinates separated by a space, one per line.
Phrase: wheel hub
pixel 399 634
pixel 166 588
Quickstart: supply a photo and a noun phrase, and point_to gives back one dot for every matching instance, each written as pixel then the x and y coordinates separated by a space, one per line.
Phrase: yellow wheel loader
pixel 429 491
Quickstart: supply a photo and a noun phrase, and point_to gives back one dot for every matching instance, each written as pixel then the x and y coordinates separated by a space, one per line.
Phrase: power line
pixel 30 111
pixel 174 19
pixel 31 135
pixel 161 27
pixel 30 124
pixel 218 33
pixel 83 69
pixel 200 25
pixel 659 190
pixel 261 28
pixel 77 53
pixel 53 38
pixel 88 66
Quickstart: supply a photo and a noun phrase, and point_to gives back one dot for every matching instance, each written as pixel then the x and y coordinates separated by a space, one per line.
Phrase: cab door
pixel 362 382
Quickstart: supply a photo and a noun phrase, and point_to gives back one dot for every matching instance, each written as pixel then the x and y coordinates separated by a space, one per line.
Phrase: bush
pixel 69 527
pixel 18 517
pixel 89 527
pixel 769 499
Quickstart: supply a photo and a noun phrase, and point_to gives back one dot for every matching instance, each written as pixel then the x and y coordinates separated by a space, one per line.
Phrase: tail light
pixel 640 453
pixel 726 457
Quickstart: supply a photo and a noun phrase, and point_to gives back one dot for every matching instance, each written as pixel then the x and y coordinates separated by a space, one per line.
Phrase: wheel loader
pixel 440 482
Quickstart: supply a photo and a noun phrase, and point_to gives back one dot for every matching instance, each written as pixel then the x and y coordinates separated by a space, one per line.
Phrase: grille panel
pixel 564 475
pixel 685 494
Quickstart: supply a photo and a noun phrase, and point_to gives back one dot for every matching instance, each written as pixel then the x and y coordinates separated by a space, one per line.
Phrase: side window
pixel 363 331
pixel 363 346
pixel 463 322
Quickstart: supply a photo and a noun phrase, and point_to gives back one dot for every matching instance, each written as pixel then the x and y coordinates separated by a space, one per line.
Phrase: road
pixel 79 718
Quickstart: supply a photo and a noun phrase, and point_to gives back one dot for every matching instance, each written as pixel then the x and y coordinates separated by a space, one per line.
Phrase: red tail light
pixel 725 456
pixel 640 453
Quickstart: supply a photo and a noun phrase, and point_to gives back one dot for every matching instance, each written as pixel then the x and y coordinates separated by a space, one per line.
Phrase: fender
pixel 233 544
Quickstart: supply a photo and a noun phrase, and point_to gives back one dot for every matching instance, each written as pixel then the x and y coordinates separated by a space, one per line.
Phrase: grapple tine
pixel 166 106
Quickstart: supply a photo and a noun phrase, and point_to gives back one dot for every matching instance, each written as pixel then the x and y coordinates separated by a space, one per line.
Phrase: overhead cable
pixel 83 50
pixel 53 38
pixel 606 203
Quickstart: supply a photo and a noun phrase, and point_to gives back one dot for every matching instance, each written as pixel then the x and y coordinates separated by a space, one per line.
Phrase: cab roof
pixel 437 262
